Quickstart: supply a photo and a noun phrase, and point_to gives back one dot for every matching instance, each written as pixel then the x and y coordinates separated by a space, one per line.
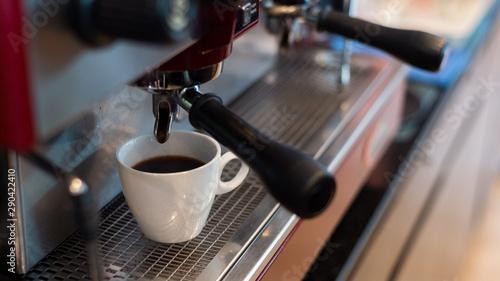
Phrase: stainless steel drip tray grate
pixel 284 104
pixel 128 255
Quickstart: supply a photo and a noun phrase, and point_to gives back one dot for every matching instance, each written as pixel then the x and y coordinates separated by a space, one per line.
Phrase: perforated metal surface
pixel 292 103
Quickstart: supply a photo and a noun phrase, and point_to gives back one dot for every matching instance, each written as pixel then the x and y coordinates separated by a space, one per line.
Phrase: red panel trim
pixel 16 115
pixel 261 275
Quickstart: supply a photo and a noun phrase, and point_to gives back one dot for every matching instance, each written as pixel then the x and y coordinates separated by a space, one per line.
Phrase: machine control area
pixel 248 12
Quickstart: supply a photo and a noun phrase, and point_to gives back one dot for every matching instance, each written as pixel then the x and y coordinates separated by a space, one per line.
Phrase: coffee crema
pixel 168 164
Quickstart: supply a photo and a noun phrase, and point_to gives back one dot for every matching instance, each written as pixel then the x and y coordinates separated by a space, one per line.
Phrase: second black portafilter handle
pixel 297 181
pixel 420 49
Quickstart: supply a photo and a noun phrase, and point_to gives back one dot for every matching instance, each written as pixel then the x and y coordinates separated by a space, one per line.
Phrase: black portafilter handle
pixel 420 49
pixel 298 182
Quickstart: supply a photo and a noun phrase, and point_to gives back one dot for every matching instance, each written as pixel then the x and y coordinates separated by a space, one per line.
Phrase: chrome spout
pixel 166 86
pixel 165 110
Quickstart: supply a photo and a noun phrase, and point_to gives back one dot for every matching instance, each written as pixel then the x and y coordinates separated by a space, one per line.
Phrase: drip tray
pixel 297 103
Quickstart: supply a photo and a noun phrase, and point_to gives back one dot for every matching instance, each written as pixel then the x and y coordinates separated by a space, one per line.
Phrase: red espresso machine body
pixel 16 108
pixel 214 27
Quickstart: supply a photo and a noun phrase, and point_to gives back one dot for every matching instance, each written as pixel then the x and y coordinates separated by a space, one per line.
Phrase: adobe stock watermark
pixel 380 16
pixel 453 118
pixel 310 264
pixel 117 110
pixel 30 26
pixel 384 14
pixel 274 126
pixel 12 224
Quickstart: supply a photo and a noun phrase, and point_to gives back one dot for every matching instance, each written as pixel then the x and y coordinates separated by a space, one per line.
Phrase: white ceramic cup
pixel 173 207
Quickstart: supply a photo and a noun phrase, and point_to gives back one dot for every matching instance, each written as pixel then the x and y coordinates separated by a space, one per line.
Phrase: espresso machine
pixel 76 102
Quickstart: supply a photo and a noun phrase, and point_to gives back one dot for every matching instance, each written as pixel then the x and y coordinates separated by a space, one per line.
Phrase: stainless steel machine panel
pixel 73 75
pixel 283 103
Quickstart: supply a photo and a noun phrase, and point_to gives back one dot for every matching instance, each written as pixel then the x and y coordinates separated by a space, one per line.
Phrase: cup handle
pixel 226 186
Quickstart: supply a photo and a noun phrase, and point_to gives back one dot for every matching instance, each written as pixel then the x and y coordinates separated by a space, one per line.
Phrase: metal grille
pixel 295 100
pixel 285 105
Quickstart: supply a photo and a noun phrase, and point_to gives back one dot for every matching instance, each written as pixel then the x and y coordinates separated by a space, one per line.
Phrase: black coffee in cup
pixel 168 164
